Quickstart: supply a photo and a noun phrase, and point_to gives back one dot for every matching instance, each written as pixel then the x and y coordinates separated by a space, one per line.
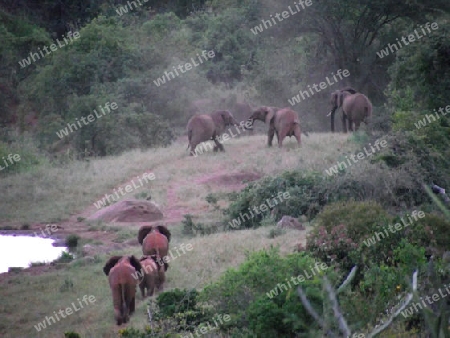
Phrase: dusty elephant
pixel 121 272
pixel 356 108
pixel 153 275
pixel 207 127
pixel 282 121
pixel 155 241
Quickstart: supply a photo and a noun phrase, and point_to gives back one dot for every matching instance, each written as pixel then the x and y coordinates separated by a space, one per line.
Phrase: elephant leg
pixel 344 122
pixel 357 125
pixel 192 152
pixel 281 135
pixel 298 134
pixel 118 317
pixel 218 145
pixel 350 124
pixel 117 301
pixel 132 304
pixel 142 288
pixel 270 136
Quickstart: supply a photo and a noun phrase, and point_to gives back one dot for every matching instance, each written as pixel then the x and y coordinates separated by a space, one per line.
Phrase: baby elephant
pixel 121 271
pixel 153 270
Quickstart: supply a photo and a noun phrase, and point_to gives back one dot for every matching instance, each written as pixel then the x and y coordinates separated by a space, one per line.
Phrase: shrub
pixel 333 246
pixel 29 156
pixel 346 234
pixel 276 232
pixel 431 232
pixel 245 292
pixel 360 218
pixel 72 240
pixel 300 201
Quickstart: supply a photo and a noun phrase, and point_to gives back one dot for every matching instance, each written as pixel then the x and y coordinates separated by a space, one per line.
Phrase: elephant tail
pixel 123 307
pixel 366 112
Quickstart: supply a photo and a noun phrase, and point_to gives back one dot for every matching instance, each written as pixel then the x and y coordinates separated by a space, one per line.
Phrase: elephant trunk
pixel 251 124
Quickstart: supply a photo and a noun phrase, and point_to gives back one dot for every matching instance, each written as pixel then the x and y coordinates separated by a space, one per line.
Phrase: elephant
pixel 121 271
pixel 282 121
pixel 154 275
pixel 155 241
pixel 356 107
pixel 207 127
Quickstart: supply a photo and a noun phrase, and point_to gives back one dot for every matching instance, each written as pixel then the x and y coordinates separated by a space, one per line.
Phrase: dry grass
pixel 56 193
pixel 29 299
pixel 52 194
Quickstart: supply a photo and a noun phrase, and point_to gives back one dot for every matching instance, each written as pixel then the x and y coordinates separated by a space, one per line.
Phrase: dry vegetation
pixel 57 193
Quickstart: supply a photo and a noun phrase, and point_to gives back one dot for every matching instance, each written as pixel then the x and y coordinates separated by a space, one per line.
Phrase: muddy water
pixel 20 251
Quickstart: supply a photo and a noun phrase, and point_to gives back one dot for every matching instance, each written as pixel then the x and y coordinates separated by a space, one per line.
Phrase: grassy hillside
pixel 55 194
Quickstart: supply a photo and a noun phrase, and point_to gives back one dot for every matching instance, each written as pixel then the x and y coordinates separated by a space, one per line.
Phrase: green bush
pixel 300 202
pixel 25 152
pixel 360 218
pixel 72 240
pixel 246 291
pixel 431 232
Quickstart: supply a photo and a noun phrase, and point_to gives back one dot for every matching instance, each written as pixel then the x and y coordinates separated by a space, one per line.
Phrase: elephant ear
pixel 143 231
pixel 270 113
pixel 163 230
pixel 110 264
pixel 135 263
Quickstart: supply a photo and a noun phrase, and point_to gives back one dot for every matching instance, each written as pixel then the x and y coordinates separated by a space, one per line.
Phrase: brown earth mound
pixel 129 211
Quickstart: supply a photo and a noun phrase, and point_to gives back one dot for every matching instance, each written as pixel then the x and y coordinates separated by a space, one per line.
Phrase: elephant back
pixel 155 244
pixel 149 265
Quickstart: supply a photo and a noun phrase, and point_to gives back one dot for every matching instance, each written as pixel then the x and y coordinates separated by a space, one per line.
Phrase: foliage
pixel 333 246
pixel 268 191
pixel 244 293
pixel 25 151
pixel 72 240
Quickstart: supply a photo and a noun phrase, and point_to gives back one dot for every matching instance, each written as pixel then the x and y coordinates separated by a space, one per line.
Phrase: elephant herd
pixel 356 108
pixel 126 272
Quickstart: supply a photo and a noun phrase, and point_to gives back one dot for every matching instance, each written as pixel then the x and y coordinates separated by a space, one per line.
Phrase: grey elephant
pixel 356 108
pixel 207 127
pixel 282 121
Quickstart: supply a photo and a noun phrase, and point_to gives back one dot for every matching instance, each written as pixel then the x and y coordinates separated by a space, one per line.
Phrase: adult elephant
pixel 155 241
pixel 121 272
pixel 207 127
pixel 356 108
pixel 153 275
pixel 282 121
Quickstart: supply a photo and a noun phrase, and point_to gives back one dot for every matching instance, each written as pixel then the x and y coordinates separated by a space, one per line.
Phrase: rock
pixel 129 211
pixel 290 222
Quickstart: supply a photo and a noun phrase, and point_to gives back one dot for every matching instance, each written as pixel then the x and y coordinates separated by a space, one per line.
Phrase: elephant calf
pixel 154 275
pixel 205 127
pixel 121 272
pixel 282 121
